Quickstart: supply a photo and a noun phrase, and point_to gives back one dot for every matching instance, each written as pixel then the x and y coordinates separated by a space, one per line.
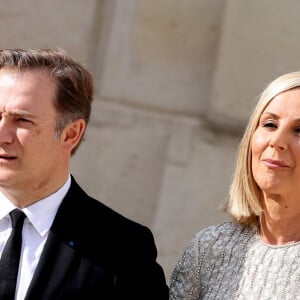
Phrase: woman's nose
pixel 279 140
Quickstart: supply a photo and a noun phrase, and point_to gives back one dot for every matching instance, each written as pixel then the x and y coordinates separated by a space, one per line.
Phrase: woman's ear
pixel 72 134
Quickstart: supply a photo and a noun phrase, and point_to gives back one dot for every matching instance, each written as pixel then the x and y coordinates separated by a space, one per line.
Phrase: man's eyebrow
pixel 23 113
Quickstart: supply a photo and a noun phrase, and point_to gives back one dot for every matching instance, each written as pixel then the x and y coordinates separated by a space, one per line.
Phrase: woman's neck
pixel 280 220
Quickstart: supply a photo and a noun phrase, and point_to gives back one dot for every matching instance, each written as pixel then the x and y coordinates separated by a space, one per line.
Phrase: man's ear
pixel 72 134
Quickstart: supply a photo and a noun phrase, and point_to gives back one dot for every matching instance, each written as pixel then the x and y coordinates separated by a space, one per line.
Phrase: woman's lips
pixel 275 163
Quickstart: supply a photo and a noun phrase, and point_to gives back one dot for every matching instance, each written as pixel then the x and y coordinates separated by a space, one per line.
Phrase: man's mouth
pixel 7 157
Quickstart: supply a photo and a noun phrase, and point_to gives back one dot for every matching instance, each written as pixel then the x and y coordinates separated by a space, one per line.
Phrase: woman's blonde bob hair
pixel 243 204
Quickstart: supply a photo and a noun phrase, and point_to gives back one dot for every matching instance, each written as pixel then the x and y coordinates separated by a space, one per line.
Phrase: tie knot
pixel 17 218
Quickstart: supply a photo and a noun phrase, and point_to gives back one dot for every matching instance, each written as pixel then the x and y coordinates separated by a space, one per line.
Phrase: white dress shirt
pixel 39 218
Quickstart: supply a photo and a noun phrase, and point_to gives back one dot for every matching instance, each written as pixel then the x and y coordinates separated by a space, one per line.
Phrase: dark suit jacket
pixel 92 252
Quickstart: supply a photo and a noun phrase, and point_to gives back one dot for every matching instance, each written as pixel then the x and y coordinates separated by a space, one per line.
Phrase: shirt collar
pixel 42 213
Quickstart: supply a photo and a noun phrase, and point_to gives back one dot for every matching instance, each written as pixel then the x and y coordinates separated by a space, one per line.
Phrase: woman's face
pixel 275 145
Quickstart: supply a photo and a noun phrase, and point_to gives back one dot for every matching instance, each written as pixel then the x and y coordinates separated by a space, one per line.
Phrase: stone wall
pixel 175 82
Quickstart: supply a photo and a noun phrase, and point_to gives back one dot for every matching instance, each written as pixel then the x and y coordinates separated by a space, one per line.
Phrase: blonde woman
pixel 257 255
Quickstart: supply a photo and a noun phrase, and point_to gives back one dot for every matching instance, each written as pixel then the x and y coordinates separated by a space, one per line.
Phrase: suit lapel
pixel 67 242
pixel 60 249
pixel 56 259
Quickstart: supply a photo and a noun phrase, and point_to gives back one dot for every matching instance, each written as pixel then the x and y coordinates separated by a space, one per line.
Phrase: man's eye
pixel 23 120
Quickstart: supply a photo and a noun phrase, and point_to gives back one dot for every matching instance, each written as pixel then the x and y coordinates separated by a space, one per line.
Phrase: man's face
pixel 30 154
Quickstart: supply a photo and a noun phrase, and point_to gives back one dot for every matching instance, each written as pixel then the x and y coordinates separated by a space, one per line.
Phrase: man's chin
pixel 7 179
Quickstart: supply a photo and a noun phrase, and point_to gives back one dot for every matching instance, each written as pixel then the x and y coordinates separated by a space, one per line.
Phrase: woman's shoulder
pixel 224 233
pixel 220 229
pixel 207 248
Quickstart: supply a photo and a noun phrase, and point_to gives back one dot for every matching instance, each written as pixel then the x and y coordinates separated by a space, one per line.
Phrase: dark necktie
pixel 9 263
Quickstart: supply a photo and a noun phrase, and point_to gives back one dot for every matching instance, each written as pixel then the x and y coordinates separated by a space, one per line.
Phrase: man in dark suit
pixel 73 246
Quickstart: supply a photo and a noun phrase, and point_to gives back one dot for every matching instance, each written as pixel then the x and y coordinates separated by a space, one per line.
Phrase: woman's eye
pixel 269 124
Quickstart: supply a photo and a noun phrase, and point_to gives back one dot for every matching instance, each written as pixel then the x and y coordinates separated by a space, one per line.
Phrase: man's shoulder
pixel 97 214
pixel 100 232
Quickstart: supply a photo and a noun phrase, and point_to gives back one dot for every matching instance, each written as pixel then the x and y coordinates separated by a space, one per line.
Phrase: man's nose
pixel 6 132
